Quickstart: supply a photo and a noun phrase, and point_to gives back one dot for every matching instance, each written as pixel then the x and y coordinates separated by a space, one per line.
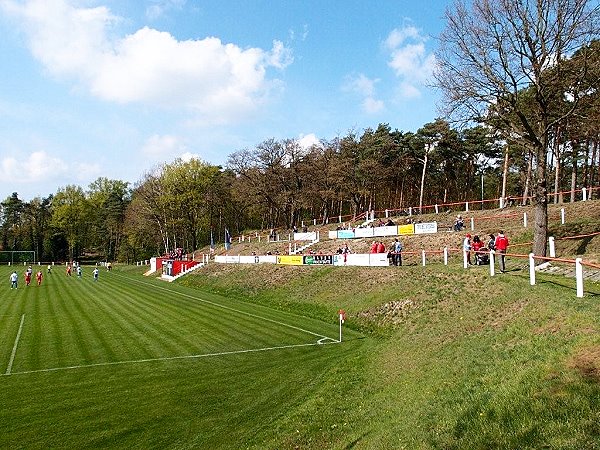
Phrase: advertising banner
pixel 385 231
pixel 423 228
pixel 406 229
pixel 290 260
pixel 363 232
pixel 319 259
pixel 333 234
pixel 305 236
pixel 345 234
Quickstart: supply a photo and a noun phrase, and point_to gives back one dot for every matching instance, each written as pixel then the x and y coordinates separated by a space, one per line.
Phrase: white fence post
pixel 472 223
pixel 340 219
pixel 467 206
pixel 445 256
pixel 423 257
pixel 501 202
pixel 290 248
pixel 465 262
pixel 579 277
pixel 562 216
pixel 437 211
pixel 314 221
pixel 531 269
pixel 492 265
pixel 386 213
pixel 551 247
pixel 410 210
pixel 584 193
pixel 525 219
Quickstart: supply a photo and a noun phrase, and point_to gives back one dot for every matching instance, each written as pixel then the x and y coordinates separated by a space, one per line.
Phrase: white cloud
pixel 160 7
pixel 373 106
pixel 306 141
pixel 35 167
pixel 163 147
pixel 360 84
pixel 365 87
pixel 218 81
pixel 188 156
pixel 410 60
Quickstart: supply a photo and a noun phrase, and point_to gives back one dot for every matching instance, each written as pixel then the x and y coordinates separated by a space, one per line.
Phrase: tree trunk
pixel 504 174
pixel 574 175
pixel 540 232
pixel 528 179
pixel 423 181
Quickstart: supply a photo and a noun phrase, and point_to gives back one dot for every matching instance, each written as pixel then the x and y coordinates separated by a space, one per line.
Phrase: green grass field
pixel 134 362
pixel 229 358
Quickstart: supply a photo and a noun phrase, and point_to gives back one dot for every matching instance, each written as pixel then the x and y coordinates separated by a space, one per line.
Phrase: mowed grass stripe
pixel 141 338
pixel 259 312
pixel 129 340
pixel 219 325
pixel 10 315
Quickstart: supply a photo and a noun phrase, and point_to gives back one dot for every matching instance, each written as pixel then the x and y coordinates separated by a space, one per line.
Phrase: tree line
pixel 278 184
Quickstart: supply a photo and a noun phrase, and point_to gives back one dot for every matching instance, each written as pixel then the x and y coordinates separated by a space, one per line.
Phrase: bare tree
pixel 502 59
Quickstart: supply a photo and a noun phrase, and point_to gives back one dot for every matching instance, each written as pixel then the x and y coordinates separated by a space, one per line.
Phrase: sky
pixel 114 88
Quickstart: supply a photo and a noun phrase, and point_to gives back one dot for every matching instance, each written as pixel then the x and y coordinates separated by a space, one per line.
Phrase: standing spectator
pixel 38 277
pixel 380 247
pixel 397 252
pixel 346 252
pixel 477 246
pixel 467 248
pixel 501 245
pixel 492 242
pixel 374 247
pixel 14 280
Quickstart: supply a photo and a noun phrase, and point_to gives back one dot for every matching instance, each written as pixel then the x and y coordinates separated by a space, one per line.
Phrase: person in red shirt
pixel 476 245
pixel 27 278
pixel 38 277
pixel 501 245
pixel 374 247
pixel 380 247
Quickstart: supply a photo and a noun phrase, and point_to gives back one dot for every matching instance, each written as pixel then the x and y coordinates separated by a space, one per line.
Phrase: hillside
pixel 580 219
pixel 450 358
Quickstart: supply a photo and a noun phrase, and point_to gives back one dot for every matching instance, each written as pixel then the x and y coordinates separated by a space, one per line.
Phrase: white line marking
pixel 167 358
pixel 14 350
pixel 230 308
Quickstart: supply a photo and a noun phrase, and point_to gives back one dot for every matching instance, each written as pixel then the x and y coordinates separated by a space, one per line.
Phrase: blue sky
pixel 113 88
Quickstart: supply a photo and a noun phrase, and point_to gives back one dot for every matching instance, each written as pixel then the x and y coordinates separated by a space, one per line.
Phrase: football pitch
pixel 130 361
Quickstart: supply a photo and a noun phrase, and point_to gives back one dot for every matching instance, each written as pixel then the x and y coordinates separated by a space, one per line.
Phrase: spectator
pixel 459 223
pixel 467 247
pixel 477 246
pixel 501 245
pixel 380 247
pixel 492 242
pixel 397 255
pixel 374 247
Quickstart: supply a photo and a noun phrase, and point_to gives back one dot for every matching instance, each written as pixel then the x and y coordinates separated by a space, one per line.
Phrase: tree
pixel 497 52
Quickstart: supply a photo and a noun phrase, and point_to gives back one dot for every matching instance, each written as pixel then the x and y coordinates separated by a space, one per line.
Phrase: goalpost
pixel 17 256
